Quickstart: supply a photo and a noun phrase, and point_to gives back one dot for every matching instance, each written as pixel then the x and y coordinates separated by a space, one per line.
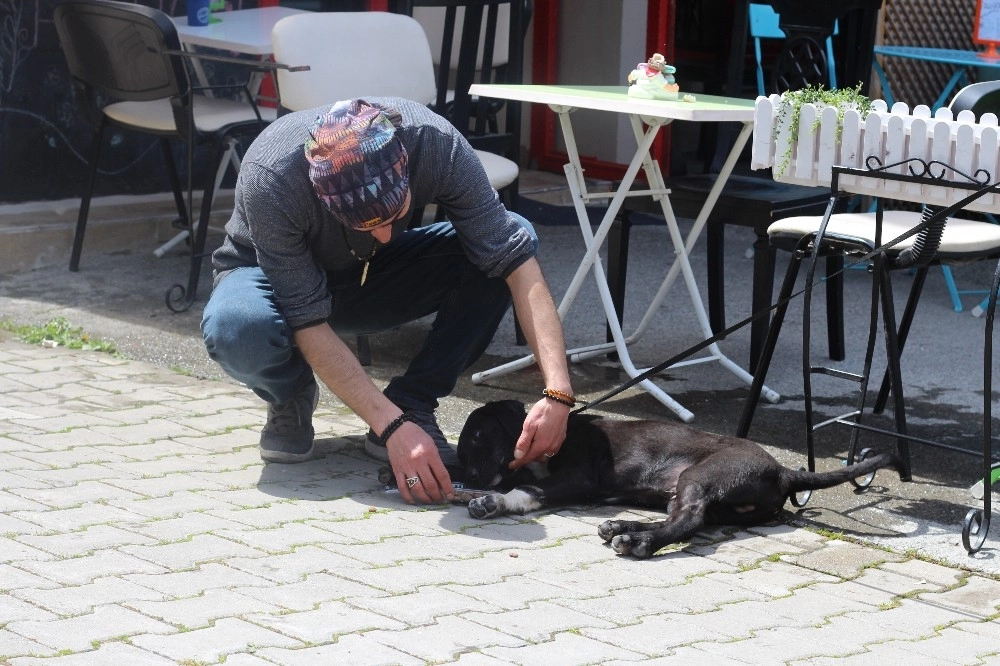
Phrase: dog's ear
pixel 513 407
pixel 510 414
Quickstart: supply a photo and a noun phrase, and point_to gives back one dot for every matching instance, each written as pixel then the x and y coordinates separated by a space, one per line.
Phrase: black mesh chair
pixel 130 73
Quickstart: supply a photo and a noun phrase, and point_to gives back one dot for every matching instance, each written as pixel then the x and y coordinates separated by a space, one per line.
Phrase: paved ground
pixel 139 525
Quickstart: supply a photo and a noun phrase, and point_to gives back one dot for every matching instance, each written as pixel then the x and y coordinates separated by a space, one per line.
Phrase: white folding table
pixel 646 117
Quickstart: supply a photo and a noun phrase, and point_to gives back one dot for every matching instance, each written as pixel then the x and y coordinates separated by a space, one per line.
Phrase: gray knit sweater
pixel 280 224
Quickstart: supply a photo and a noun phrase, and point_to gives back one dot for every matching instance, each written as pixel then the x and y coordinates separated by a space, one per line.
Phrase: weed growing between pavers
pixel 57 332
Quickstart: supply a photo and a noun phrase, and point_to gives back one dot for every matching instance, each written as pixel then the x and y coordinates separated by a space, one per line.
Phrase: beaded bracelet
pixel 394 426
pixel 561 397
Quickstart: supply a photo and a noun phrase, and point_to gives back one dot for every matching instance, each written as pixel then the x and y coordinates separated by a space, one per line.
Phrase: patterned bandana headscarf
pixel 357 165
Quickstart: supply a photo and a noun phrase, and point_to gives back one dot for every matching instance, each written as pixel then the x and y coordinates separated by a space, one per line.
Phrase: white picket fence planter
pixel 890 136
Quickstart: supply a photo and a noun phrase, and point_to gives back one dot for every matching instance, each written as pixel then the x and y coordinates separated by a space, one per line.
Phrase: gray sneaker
pixel 288 435
pixel 426 420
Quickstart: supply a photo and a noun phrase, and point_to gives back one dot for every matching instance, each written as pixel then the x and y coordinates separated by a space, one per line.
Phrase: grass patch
pixel 57 332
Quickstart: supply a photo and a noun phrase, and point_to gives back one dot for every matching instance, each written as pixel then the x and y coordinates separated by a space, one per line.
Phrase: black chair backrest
pixel 802 59
pixel 980 98
pixel 120 50
pixel 477 63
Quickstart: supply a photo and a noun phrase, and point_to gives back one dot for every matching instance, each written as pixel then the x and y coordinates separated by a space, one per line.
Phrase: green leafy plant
pixel 790 109
pixel 59 332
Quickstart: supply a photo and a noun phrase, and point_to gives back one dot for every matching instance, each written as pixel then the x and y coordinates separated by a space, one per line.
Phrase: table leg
pixel 682 263
pixel 591 261
pixel 578 188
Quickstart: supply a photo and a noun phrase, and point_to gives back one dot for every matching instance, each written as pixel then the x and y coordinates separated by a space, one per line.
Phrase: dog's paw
pixel 636 545
pixel 386 477
pixel 612 528
pixel 486 506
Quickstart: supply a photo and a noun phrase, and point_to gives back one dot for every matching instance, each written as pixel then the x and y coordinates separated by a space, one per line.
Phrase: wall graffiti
pixel 45 141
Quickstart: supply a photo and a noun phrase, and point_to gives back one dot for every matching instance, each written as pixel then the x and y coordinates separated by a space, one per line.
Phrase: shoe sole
pixel 286 457
pixel 376 451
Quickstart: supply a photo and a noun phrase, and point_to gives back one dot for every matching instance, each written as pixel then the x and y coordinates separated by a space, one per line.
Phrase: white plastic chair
pixel 343 65
pixel 337 47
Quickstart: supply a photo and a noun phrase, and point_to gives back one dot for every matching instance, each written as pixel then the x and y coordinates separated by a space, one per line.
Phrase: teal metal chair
pixel 764 25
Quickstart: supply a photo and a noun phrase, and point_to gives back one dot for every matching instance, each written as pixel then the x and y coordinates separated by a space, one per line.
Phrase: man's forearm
pixel 338 368
pixel 539 320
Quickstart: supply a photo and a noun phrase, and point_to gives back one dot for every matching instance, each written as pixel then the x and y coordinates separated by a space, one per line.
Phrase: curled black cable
pixel 925 244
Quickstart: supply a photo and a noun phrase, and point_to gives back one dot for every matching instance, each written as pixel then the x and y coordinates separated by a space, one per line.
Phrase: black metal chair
pixel 755 201
pixel 130 73
pixel 854 235
pixel 478 41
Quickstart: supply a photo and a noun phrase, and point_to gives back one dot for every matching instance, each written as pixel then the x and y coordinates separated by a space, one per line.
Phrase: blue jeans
pixel 423 271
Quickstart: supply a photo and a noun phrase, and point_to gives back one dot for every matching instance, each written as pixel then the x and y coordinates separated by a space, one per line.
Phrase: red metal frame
pixel 544 70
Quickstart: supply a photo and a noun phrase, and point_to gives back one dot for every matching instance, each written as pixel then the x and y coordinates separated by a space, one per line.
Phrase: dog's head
pixel 486 445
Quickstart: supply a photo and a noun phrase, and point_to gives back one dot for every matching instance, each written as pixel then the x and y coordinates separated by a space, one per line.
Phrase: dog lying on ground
pixel 698 478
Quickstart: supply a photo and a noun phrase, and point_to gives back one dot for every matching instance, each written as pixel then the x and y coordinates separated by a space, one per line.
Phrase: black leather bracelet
pixel 393 427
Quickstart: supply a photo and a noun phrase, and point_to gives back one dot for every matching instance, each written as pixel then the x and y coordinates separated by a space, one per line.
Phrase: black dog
pixel 697 477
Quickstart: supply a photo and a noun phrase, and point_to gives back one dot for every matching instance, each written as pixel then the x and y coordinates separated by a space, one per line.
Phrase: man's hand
pixel 420 474
pixel 543 433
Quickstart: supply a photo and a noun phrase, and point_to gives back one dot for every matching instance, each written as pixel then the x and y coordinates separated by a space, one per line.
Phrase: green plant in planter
pixel 792 102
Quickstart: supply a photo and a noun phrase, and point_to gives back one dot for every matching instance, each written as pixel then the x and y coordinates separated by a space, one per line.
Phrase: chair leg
pixel 88 193
pixel 893 349
pixel 760 370
pixel 180 298
pixel 715 245
pixel 835 307
pixel 364 349
pixel 763 288
pixel 949 282
pixel 973 539
pixel 183 220
pixel 618 237
pixel 919 279
pixel 510 196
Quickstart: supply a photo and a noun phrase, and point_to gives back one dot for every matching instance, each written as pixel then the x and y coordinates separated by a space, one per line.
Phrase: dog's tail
pixel 796 481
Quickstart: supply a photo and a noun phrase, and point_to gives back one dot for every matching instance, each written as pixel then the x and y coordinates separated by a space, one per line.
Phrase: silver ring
pixel 548 455
pixel 412 481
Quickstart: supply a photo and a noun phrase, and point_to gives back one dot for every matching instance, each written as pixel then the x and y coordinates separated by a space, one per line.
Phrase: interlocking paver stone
pixel 212 643
pixel 80 570
pixel 348 650
pixel 201 610
pixel 313 590
pixel 425 605
pixel 79 599
pixel 978 597
pixel 564 648
pixel 445 638
pixel 195 581
pixel 160 537
pixel 81 631
pixel 106 654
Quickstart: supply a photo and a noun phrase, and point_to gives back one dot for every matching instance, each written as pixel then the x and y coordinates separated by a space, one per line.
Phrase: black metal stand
pixel 814 245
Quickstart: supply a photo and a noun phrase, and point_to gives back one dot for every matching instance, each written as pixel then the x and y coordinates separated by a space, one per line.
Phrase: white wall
pixel 600 42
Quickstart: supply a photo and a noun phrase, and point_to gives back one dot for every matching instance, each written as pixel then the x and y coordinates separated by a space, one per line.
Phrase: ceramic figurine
pixel 653 79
